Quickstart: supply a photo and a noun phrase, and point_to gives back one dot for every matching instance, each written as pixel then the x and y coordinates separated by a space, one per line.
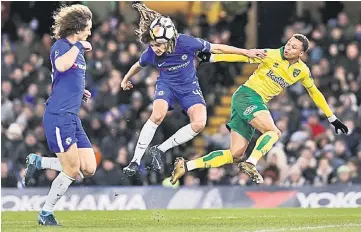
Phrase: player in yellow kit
pixel 281 68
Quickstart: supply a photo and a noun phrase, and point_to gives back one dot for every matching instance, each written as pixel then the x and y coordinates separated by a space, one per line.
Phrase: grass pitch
pixel 257 220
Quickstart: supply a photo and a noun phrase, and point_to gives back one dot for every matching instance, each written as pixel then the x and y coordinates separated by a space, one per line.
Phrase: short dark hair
pixel 69 20
pixel 304 41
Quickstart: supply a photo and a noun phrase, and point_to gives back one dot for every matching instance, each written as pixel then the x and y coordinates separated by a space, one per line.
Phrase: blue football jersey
pixel 176 68
pixel 67 87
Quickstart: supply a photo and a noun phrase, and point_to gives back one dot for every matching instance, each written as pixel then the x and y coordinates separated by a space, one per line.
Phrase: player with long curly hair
pixel 177 81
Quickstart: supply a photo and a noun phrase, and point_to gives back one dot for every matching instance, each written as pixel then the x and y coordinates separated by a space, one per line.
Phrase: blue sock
pixel 38 162
pixel 45 213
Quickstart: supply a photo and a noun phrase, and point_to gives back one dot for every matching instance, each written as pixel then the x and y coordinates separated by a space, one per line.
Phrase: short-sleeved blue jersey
pixel 67 87
pixel 176 68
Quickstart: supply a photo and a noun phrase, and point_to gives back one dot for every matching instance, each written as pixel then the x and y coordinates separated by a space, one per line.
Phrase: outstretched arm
pixel 209 57
pixel 321 103
pixel 126 84
pixel 226 49
pixel 233 58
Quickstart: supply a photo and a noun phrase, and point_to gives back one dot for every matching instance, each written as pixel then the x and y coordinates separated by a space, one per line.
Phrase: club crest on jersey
pixel 249 109
pixel 68 141
pixel 184 57
pixel 275 65
pixel 296 72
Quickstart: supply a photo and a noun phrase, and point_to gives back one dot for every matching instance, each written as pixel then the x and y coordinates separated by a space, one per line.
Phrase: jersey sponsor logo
pixel 249 109
pixel 179 66
pixel 56 53
pixel 159 65
pixel 161 93
pixel 184 57
pixel 296 72
pixel 278 80
pixel 75 65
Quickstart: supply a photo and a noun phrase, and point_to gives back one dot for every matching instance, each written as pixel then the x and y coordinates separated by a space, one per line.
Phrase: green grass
pixel 261 220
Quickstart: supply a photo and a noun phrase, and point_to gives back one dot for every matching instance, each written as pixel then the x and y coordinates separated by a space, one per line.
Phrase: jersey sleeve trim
pixel 282 51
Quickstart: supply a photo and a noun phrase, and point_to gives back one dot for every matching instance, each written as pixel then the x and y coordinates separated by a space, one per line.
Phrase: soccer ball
pixel 162 30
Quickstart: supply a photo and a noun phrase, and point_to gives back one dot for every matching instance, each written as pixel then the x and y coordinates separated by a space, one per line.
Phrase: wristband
pixel 211 58
pixel 332 118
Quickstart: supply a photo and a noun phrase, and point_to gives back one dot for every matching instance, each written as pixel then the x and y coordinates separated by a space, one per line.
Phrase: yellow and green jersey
pixel 274 74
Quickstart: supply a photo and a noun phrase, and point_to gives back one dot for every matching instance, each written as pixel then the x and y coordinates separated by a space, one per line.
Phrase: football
pixel 162 30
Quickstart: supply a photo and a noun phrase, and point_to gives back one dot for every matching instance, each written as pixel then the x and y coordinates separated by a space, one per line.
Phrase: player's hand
pixel 86 45
pixel 204 57
pixel 339 126
pixel 126 85
pixel 256 53
pixel 87 95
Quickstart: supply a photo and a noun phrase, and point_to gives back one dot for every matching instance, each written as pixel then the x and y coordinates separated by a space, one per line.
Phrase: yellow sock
pixel 212 160
pixel 263 145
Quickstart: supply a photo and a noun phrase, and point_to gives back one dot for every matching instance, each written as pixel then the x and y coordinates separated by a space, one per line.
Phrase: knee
pixel 71 169
pixel 88 171
pixel 198 126
pixel 157 117
pixel 277 131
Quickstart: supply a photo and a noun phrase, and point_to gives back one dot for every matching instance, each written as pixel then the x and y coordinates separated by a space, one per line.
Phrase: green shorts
pixel 245 104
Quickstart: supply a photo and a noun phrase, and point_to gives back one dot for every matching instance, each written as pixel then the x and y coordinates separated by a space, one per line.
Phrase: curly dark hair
pixel 147 16
pixel 69 20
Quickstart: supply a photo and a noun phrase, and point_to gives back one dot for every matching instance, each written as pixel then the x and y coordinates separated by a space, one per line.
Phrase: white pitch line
pixel 307 228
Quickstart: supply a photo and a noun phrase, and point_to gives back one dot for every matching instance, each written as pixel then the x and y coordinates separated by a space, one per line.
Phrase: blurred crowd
pixel 308 153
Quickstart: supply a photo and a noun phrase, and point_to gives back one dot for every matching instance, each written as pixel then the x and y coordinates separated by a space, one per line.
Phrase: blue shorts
pixel 187 95
pixel 63 130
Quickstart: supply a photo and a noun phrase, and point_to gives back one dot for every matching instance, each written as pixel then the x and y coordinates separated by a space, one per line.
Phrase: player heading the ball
pixel 173 55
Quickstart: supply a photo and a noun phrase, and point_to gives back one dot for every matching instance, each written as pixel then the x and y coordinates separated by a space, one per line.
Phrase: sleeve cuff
pixel 211 58
pixel 79 46
pixel 332 118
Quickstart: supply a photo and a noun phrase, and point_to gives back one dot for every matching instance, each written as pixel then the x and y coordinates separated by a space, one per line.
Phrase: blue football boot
pixel 47 219
pixel 33 164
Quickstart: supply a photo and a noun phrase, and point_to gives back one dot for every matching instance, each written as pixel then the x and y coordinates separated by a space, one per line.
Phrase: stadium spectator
pixel 109 174
pixel 242 179
pixel 47 178
pixel 191 181
pixel 271 175
pixel 8 178
pixel 295 178
pixel 324 173
pixel 218 141
pixel 343 176
pixel 277 157
pixel 354 165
